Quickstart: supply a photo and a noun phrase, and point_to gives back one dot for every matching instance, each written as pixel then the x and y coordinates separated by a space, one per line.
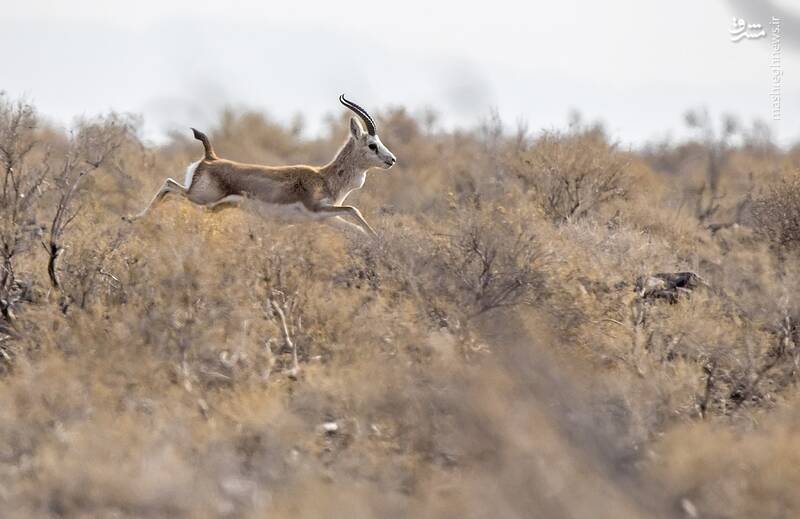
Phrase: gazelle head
pixel 370 151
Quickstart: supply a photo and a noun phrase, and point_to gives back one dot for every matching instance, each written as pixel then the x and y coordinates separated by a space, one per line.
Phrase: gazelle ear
pixel 355 128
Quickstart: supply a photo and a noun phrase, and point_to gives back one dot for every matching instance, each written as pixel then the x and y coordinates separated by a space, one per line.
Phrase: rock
pixel 688 508
pixel 668 285
pixel 330 427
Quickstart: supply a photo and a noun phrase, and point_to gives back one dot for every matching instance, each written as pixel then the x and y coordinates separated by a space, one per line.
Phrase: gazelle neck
pixel 343 174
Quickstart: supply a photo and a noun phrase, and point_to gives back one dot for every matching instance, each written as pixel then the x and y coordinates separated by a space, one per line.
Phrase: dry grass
pixel 486 357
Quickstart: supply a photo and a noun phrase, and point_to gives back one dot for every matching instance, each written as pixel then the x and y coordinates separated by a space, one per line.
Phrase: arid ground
pixel 503 349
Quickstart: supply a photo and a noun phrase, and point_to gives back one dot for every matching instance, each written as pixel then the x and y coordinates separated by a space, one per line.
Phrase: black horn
pixel 368 121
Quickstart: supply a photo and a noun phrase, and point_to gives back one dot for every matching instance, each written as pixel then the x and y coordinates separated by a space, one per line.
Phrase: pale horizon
pixel 636 68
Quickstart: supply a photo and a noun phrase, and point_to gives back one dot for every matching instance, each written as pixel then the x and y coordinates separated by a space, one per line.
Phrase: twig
pixel 287 338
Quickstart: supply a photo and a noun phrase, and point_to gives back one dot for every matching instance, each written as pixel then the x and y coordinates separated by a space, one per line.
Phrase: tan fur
pixel 320 190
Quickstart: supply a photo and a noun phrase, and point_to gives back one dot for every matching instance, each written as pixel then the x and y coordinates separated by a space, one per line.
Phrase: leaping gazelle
pixel 315 191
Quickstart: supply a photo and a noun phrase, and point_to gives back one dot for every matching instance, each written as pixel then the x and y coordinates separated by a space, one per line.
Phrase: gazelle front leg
pixel 343 210
pixel 341 222
pixel 169 186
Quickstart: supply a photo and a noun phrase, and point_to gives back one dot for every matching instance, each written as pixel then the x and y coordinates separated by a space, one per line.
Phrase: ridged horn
pixel 368 121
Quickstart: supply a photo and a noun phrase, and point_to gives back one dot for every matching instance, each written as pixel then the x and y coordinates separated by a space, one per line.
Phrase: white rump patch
pixel 190 174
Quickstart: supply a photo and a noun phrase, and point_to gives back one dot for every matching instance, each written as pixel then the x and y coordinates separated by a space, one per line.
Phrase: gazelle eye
pixel 373 146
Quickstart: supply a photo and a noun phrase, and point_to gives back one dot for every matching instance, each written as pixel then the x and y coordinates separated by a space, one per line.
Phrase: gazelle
pixel 313 191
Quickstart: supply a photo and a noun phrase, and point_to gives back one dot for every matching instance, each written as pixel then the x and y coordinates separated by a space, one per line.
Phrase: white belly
pixel 289 213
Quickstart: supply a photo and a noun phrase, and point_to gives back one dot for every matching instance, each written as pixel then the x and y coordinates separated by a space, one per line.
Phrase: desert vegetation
pixel 504 348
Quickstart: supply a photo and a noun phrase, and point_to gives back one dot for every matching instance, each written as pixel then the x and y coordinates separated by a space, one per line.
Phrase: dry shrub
pixel 484 261
pixel 571 175
pixel 93 144
pixel 493 261
pixel 23 176
pixel 44 182
pixel 777 213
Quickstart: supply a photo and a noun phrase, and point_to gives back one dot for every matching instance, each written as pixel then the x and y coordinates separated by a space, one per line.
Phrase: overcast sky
pixel 637 65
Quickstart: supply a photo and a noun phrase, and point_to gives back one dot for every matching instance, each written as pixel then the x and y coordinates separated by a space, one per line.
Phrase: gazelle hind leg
pixel 169 186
